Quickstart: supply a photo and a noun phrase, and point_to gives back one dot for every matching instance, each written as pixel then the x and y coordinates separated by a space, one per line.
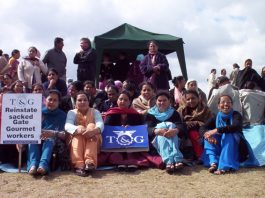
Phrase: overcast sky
pixel 216 33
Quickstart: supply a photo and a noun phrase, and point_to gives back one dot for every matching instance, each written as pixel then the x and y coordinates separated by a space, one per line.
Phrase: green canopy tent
pixel 133 41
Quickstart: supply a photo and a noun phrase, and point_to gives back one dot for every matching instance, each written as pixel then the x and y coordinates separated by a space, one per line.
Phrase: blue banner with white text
pixel 122 139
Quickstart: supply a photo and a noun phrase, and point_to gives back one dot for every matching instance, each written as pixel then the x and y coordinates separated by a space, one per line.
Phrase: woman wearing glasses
pixel 224 143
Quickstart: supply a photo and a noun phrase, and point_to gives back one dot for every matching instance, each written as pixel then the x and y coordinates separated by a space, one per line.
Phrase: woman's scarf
pixel 161 116
pixel 84 120
pixel 53 120
pixel 33 63
pixel 188 82
pixel 200 113
pixel 118 110
pixel 142 103
pixel 222 117
pixel 31 59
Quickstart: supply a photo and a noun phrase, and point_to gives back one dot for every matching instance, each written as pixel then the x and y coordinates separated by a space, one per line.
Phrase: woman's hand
pixel 156 69
pixel 25 84
pixel 160 132
pixel 36 63
pixel 209 136
pixel 89 133
pixel 210 133
pixel 191 124
pixel 212 140
pixel 80 130
pixel 171 133
pixel 52 83
pixel 47 134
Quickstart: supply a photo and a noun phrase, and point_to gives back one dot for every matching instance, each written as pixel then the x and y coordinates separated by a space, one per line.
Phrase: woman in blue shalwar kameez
pixel 221 142
pixel 53 121
pixel 165 127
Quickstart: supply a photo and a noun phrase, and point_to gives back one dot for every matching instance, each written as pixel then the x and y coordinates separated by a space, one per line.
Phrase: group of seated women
pixel 216 141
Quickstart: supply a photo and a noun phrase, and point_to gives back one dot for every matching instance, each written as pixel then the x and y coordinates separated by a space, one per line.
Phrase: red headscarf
pixel 118 110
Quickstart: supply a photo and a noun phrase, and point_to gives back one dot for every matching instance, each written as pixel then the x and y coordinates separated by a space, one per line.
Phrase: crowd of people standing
pixel 184 127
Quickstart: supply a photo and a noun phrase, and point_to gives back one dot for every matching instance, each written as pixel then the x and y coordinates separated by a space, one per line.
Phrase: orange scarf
pixel 84 120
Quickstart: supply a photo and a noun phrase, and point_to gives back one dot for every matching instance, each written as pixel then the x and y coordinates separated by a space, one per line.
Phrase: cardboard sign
pixel 21 119
pixel 125 139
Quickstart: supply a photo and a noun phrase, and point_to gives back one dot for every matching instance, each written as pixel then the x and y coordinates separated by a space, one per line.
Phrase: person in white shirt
pixel 212 79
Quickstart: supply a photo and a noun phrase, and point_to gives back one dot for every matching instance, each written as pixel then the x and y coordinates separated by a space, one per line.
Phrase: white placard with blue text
pixel 122 139
pixel 21 119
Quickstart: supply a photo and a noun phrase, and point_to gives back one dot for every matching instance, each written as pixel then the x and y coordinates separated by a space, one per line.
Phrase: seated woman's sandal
pixel 33 170
pixel 222 172
pixel 41 171
pixel 81 172
pixel 90 167
pixel 213 168
pixel 179 165
pixel 170 168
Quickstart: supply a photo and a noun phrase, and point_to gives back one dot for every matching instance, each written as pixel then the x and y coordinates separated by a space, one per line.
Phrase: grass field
pixel 189 182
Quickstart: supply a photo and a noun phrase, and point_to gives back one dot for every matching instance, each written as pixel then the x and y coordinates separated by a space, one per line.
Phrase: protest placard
pixel 21 119
pixel 125 139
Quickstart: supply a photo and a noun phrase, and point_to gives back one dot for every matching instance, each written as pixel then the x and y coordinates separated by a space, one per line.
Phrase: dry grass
pixel 189 182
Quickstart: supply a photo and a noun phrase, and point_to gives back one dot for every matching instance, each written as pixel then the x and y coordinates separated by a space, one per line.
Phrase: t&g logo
pixel 125 138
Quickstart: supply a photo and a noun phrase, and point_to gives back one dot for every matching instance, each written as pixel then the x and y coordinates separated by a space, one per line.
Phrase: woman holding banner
pixel 85 125
pixel 53 120
pixel 123 115
pixel 165 127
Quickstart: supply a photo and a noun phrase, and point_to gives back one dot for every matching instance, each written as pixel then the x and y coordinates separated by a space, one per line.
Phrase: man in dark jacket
pixel 86 60
pixel 249 74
